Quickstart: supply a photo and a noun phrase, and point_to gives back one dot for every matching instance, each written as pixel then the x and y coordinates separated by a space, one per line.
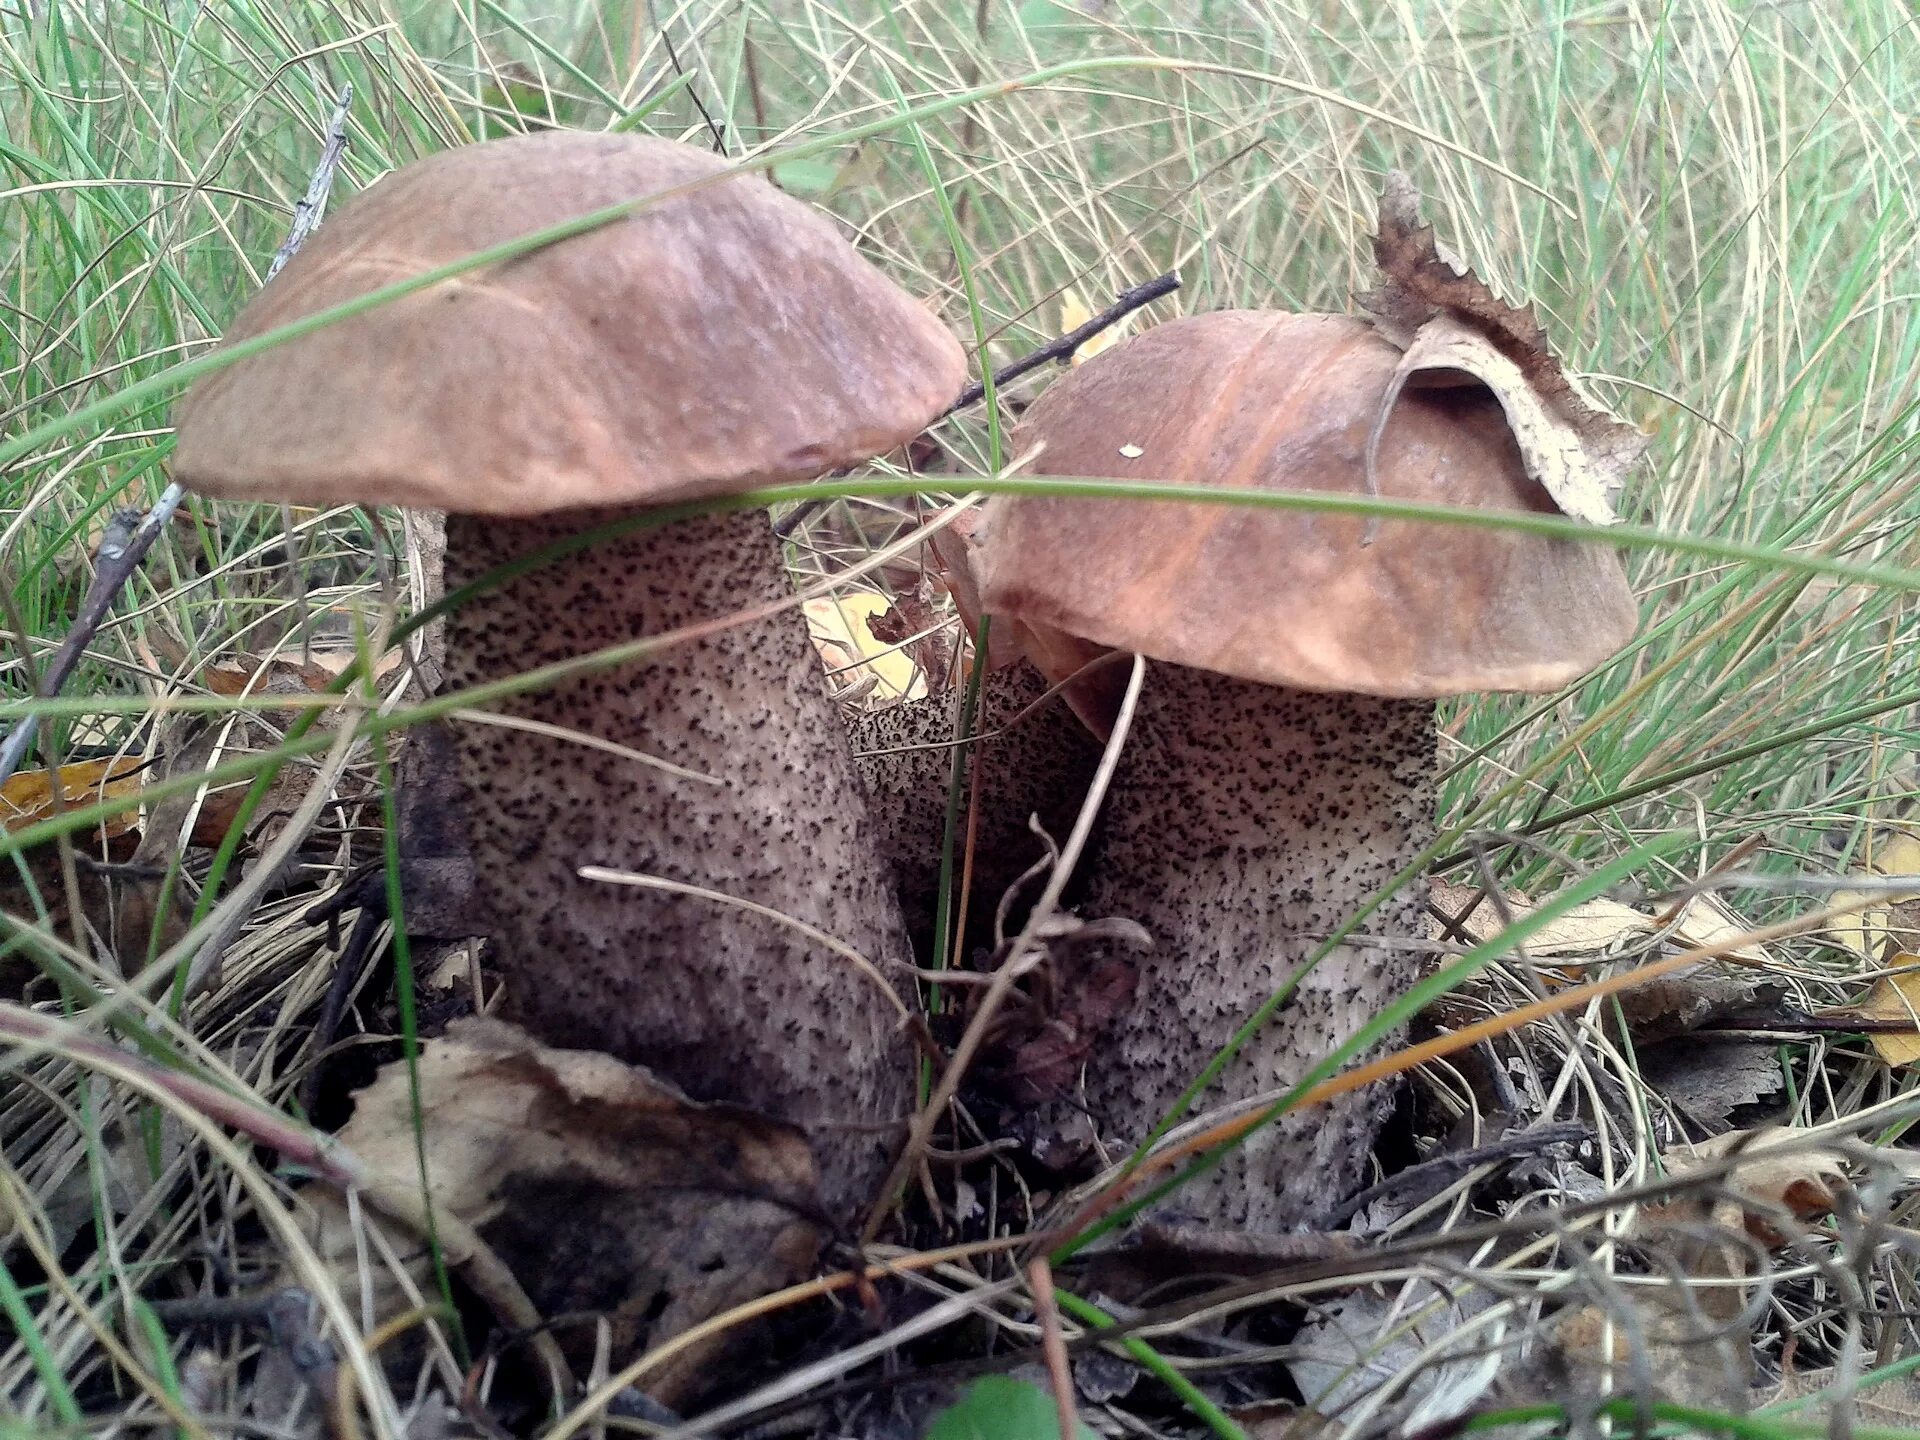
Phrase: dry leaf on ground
pixel 1776 1173
pixel 1688 1336
pixel 29 796
pixel 1708 1079
pixel 924 634
pixel 1656 1010
pixel 1893 919
pixel 1658 1342
pixel 1688 1339
pixel 851 653
pixel 1413 1338
pixel 1894 997
pixel 605 1191
pixel 1591 928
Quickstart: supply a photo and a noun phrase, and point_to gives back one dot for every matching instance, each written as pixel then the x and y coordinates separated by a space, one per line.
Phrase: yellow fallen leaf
pixel 1074 313
pixel 848 648
pixel 1895 997
pixel 28 797
pixel 1867 930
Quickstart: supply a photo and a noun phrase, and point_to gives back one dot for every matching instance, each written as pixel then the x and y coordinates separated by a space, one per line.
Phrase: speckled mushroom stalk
pixel 730 1004
pixel 724 338
pixel 1039 744
pixel 1245 823
pixel 1279 769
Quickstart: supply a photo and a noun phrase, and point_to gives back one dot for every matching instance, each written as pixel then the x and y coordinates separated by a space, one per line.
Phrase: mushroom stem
pixel 1031 763
pixel 728 1004
pixel 1245 823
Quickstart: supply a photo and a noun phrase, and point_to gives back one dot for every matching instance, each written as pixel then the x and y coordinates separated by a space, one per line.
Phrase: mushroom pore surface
pixel 727 1004
pixel 1245 823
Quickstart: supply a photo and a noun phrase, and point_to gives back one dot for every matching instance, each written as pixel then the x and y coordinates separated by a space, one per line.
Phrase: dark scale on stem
pixel 689 987
pixel 1325 797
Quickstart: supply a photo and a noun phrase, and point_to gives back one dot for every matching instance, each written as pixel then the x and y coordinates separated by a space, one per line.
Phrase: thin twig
pixel 128 538
pixel 1061 348
pixel 308 209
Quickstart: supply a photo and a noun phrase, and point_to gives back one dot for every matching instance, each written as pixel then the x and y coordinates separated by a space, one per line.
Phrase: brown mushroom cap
pixel 1273 401
pixel 724 338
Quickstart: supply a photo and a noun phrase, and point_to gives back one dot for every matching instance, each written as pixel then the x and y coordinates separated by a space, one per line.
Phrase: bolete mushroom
pixel 1280 767
pixel 722 338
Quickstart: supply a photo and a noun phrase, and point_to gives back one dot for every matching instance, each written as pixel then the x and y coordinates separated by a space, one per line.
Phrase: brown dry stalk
pixel 1053 1344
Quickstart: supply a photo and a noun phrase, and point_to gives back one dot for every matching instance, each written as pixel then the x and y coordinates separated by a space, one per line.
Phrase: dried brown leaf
pixel 118 899
pixel 1452 325
pixel 603 1189
pixel 1707 920
pixel 1709 1079
pixel 1774 1171
pixel 286 675
pixel 1041 1060
pixel 1359 1341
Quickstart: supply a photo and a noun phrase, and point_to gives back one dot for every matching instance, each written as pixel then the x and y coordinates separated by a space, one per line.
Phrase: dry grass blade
pixel 813 932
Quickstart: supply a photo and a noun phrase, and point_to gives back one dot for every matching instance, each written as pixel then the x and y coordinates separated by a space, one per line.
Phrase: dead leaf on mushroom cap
pixel 603 1189
pixel 1450 323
